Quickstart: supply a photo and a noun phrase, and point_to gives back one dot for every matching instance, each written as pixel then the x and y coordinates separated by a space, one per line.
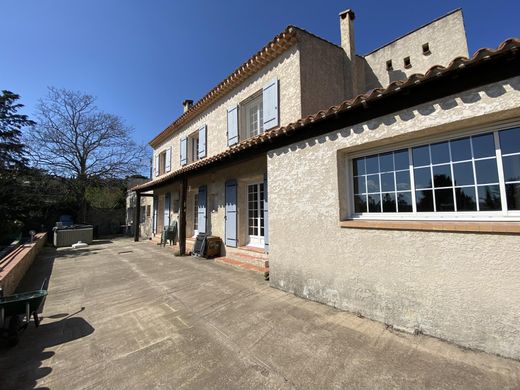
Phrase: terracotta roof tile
pixel 512 45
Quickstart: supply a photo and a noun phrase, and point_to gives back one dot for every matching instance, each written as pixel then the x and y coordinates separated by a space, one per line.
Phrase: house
pixel 399 200
pixel 145 212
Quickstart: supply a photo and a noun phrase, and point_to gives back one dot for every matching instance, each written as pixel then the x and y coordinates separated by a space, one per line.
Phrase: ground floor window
pixel 477 174
pixel 255 197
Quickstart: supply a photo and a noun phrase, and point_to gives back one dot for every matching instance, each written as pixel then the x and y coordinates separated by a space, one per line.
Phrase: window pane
pixel 373 183
pixel 510 141
pixel 401 159
pixel 386 162
pixel 442 176
pixel 486 171
pixel 424 200
pixel 440 153
pixel 511 167
pixel 359 185
pixel 387 182
pixel 374 203
pixel 402 180
pixel 389 202
pixel 483 145
pixel 359 166
pixel 421 156
pixel 423 178
pixel 466 199
pixel 460 149
pixel 513 196
pixel 463 173
pixel 489 198
pixel 444 200
pixel 360 203
pixel 404 202
pixel 372 164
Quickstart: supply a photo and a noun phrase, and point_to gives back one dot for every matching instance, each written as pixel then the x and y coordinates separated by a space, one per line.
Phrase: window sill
pixel 435 226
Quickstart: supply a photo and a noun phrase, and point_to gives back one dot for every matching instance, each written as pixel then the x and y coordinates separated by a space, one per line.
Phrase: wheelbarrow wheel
pixel 36 319
pixel 12 332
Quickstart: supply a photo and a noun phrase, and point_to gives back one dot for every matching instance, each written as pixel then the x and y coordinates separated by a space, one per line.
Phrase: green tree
pixel 12 163
pixel 74 139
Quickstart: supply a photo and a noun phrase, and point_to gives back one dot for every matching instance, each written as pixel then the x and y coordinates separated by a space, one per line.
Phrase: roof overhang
pixel 486 66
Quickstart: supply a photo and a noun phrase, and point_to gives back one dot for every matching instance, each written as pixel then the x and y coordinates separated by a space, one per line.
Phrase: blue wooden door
pixel 155 207
pixel 203 191
pixel 231 213
pixel 167 206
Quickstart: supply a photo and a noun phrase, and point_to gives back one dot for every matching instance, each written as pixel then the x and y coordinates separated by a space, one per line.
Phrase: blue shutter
pixel 202 209
pixel 270 104
pixel 154 219
pixel 231 213
pixel 168 163
pixel 232 125
pixel 167 206
pixel 156 167
pixel 202 141
pixel 266 217
pixel 184 151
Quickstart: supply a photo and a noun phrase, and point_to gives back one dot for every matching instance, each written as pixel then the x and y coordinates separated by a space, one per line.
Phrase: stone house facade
pixel 398 201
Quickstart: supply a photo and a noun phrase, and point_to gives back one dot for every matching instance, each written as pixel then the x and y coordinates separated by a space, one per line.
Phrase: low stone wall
pixel 14 266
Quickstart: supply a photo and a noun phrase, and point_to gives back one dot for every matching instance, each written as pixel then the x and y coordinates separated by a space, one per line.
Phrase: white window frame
pixel 244 127
pixel 499 215
pixel 161 169
pixel 193 147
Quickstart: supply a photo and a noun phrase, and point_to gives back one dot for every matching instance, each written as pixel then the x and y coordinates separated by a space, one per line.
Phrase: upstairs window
pixel 474 176
pixel 407 63
pixel 193 147
pixel 163 162
pixel 252 116
pixel 426 49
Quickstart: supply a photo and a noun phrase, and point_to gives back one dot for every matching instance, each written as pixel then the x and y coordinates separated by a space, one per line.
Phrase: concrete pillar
pixel 137 215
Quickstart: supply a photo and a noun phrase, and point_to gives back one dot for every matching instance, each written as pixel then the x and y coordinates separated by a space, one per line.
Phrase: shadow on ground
pixel 22 365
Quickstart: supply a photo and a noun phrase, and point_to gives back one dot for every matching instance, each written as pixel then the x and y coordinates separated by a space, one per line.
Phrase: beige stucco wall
pixel 248 172
pixel 447 40
pixel 285 68
pixel 324 74
pixel 461 287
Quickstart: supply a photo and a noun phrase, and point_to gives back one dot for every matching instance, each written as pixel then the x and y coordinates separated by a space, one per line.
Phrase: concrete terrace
pixel 124 315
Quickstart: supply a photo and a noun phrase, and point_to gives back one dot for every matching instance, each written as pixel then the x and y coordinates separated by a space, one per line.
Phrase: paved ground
pixel 132 316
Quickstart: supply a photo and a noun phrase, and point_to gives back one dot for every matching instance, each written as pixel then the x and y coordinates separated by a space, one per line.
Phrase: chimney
pixel 346 24
pixel 187 104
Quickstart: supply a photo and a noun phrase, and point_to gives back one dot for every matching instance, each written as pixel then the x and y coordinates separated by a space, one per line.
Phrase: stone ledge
pixel 14 266
pixel 496 227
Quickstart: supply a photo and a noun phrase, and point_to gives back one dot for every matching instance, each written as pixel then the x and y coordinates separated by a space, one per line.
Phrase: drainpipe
pixel 182 216
pixel 137 215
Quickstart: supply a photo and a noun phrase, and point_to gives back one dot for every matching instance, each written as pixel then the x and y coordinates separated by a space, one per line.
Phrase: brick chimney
pixel 187 104
pixel 346 24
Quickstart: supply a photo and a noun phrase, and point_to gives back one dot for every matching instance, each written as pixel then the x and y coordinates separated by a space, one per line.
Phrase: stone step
pixel 245 257
pixel 240 264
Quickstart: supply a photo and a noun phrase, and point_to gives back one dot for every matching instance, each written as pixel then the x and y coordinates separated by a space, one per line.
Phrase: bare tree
pixel 73 138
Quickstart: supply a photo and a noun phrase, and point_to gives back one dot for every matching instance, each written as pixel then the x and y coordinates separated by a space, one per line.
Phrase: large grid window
pixel 478 173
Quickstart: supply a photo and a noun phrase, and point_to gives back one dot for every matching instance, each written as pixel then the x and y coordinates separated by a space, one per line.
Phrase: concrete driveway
pixel 125 315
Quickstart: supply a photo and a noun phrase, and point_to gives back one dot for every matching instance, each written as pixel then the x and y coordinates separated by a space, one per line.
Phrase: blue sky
pixel 143 58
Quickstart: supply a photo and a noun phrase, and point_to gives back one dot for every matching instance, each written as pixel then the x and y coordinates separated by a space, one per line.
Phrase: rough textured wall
pixel 446 38
pixel 245 173
pixel 325 77
pixel 286 68
pixel 460 287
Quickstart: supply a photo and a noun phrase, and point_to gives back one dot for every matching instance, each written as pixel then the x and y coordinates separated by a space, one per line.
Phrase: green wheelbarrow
pixel 16 311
